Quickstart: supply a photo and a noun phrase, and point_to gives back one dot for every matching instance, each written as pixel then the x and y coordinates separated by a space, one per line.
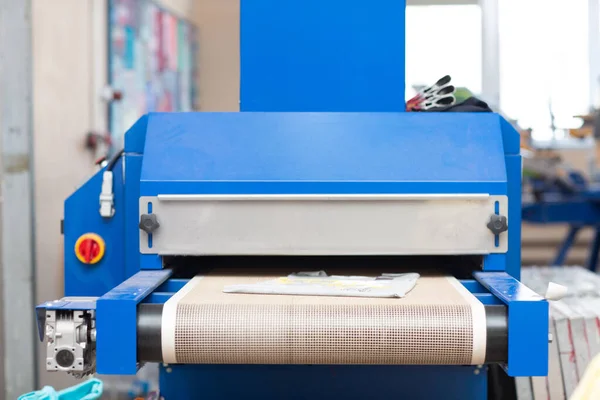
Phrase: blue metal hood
pixel 335 153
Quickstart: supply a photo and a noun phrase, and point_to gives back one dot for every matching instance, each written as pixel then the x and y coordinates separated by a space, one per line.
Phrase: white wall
pixel 218 23
pixel 69 39
pixel 62 96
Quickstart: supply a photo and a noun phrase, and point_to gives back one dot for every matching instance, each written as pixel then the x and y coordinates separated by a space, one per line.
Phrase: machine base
pixel 322 382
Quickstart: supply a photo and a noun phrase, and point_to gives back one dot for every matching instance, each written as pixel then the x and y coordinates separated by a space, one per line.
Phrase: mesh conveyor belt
pixel 439 322
pixel 150 316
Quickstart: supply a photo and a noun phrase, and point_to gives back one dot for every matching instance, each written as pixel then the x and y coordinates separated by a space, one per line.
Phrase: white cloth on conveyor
pixel 320 284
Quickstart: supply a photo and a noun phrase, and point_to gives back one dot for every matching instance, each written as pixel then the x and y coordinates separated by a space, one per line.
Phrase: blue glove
pixel 88 390
pixel 47 393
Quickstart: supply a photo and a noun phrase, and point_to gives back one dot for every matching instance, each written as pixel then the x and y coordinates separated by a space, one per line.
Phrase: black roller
pixel 496 318
pixel 150 319
pixel 149 323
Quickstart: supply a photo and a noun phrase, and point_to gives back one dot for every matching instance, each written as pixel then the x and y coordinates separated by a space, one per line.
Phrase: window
pixel 443 40
pixel 544 64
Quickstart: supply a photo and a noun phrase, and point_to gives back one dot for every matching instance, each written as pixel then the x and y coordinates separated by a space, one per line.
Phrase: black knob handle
pixel 149 223
pixel 497 224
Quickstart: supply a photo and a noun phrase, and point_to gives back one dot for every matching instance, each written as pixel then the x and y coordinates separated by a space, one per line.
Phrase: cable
pixel 113 161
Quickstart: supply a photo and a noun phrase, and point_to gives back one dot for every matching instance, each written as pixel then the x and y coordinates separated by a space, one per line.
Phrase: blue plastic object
pixel 88 390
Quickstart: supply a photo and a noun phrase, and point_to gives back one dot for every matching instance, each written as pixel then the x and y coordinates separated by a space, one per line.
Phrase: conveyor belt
pixel 439 322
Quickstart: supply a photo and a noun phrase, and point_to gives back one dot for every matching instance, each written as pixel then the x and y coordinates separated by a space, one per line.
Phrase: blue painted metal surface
pixel 514 171
pixel 81 215
pixel 133 169
pixel 496 262
pixel 307 55
pixel 230 153
pixel 116 321
pixel 150 261
pixel 164 292
pixel 488 299
pixel 135 138
pixel 276 382
pixel 527 320
pixel 473 286
pixel 158 297
pixel 173 285
pixel 68 304
pixel 480 292
pixel 511 139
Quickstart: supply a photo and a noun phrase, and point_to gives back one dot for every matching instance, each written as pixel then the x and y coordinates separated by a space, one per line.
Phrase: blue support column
pixel 314 55
pixel 513 171
pixel 592 261
pixel 133 162
pixel 566 245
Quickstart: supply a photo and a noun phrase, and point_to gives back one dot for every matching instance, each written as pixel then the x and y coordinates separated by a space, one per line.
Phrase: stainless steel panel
pixel 323 224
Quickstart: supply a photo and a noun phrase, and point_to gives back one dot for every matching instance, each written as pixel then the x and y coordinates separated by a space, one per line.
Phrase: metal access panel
pixel 323 224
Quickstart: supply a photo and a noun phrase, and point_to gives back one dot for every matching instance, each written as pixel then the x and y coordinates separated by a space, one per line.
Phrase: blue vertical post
pixel 512 157
pixel 592 260
pixel 315 55
pixel 566 245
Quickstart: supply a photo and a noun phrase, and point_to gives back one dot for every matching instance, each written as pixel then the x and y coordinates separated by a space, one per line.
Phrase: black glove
pixel 472 104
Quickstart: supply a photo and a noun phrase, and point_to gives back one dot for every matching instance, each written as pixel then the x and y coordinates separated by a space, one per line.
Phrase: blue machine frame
pixel 352 60
pixel 148 140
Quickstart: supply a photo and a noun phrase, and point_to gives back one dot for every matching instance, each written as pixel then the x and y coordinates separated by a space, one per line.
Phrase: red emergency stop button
pixel 89 248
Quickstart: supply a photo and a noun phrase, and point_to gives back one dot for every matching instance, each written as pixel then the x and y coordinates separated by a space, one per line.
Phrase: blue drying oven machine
pixel 195 189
